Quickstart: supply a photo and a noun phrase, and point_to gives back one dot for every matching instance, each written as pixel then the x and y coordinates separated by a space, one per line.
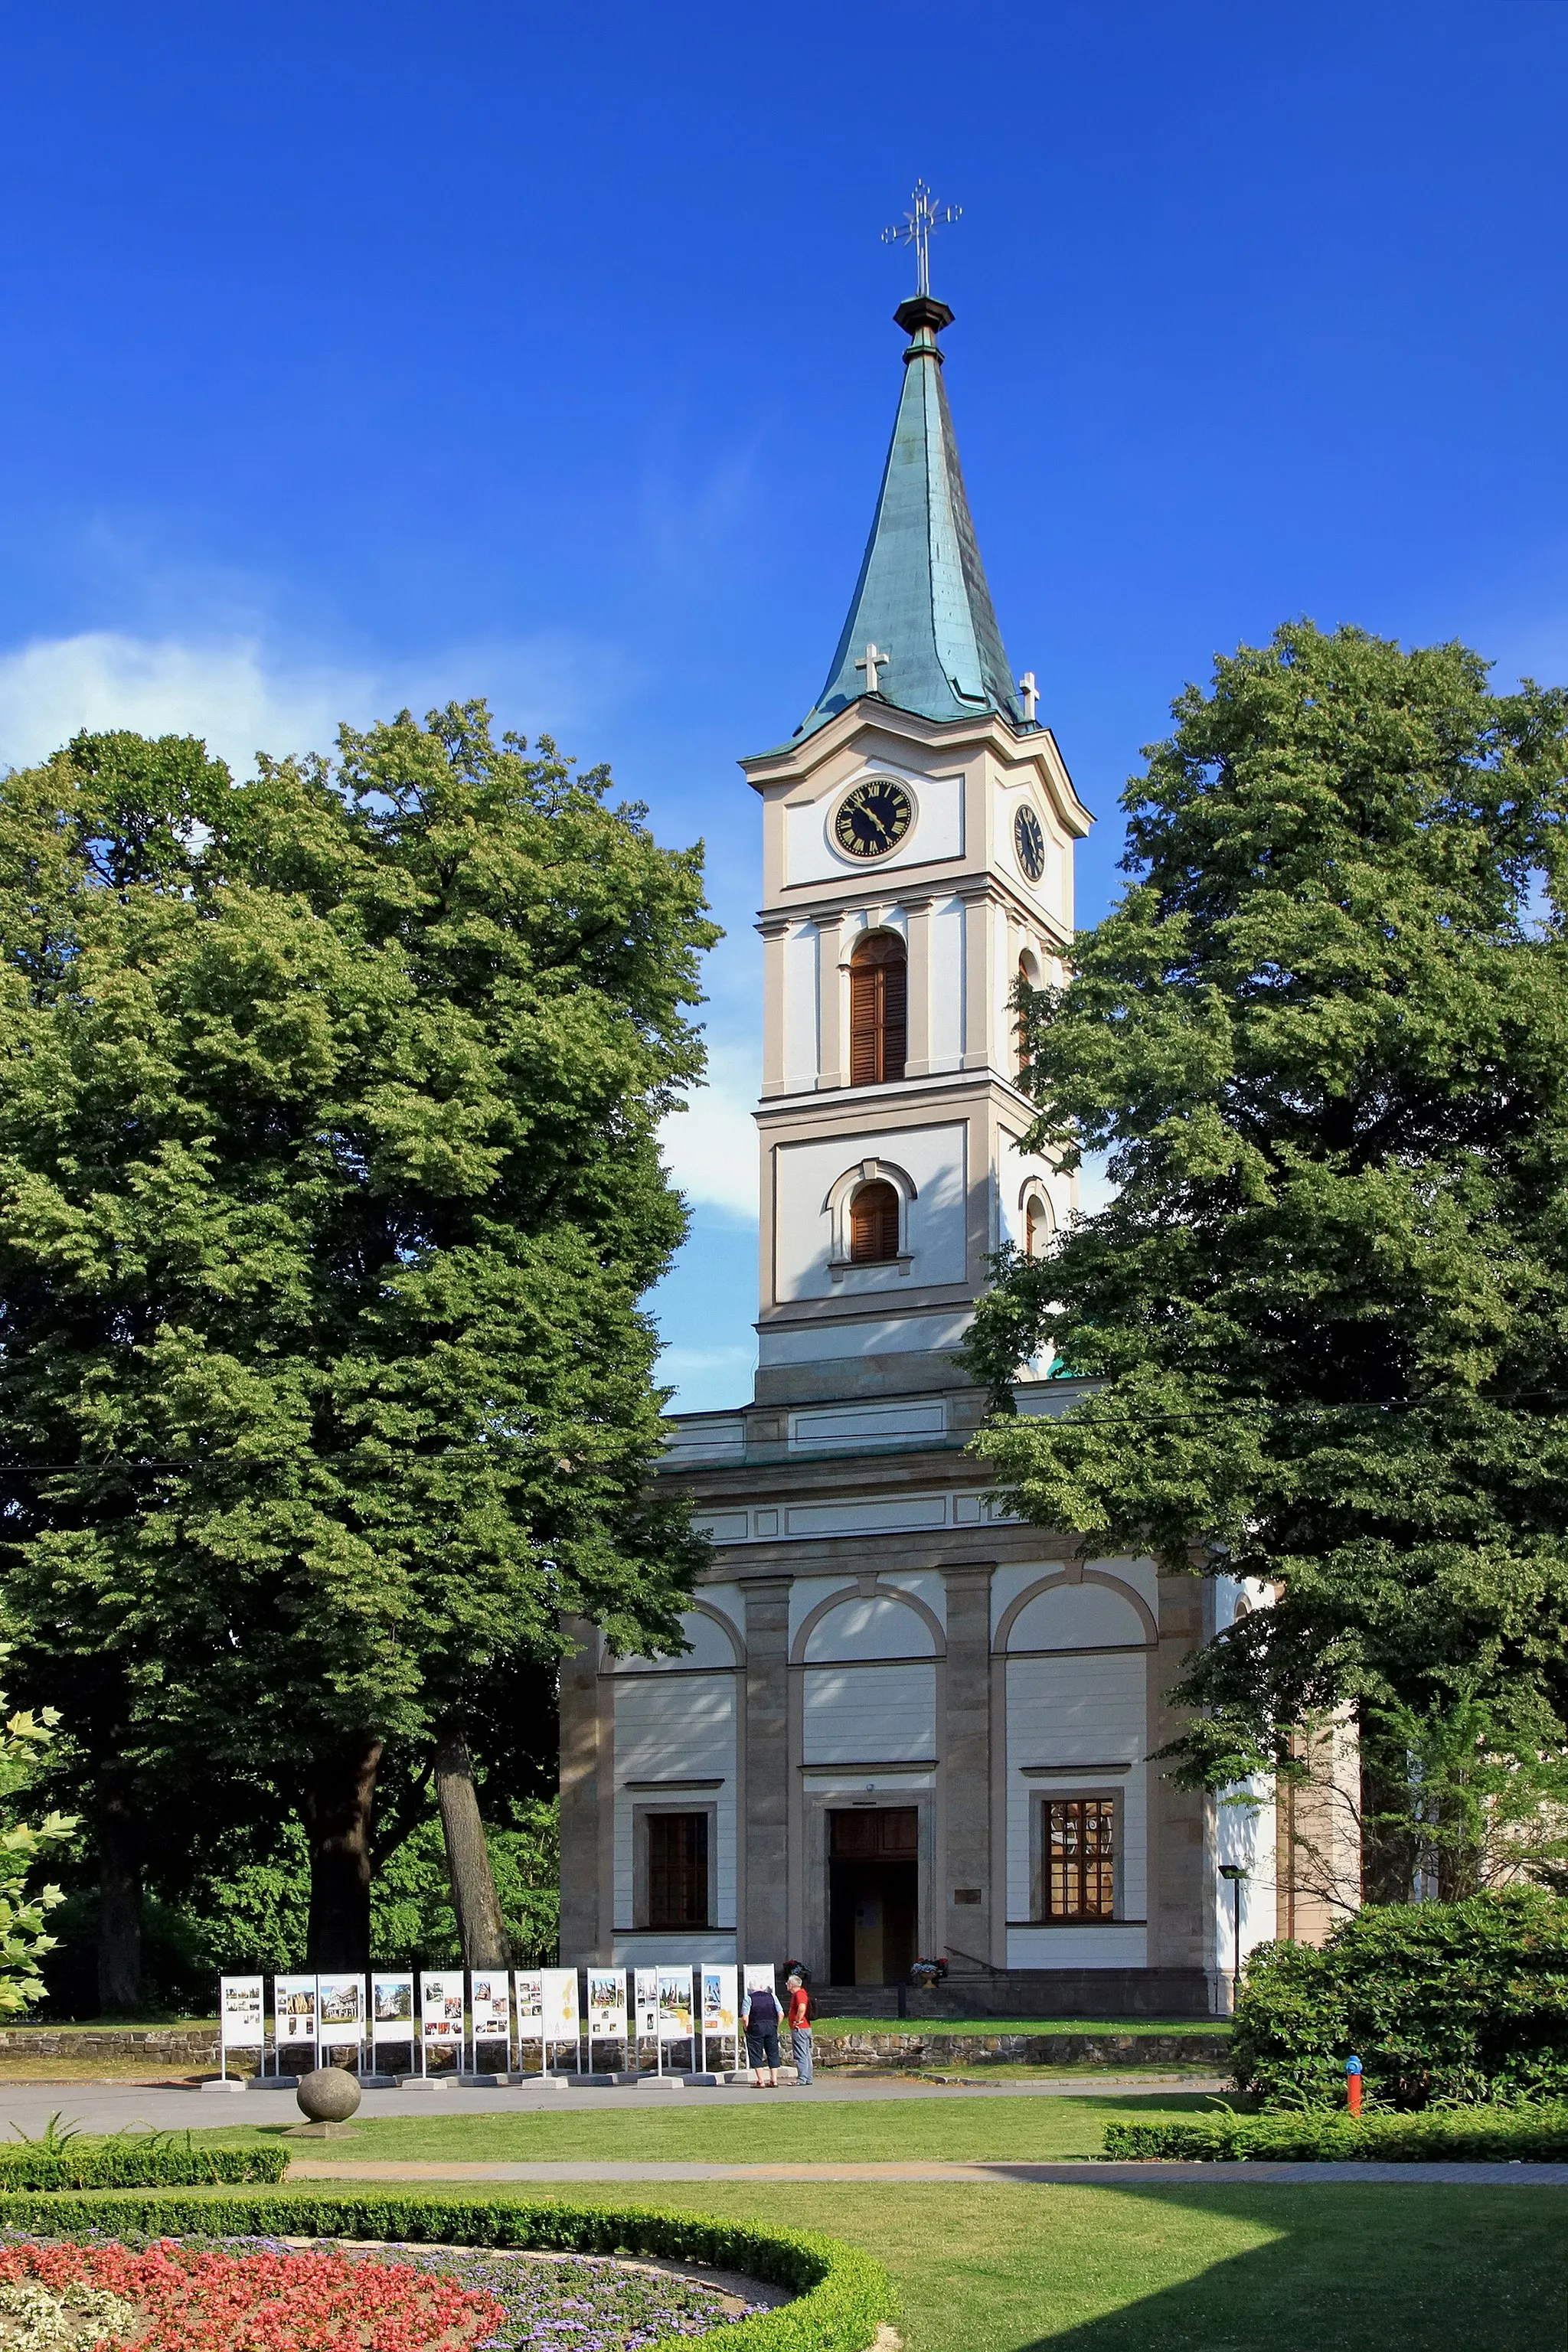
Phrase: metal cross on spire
pixel 916 229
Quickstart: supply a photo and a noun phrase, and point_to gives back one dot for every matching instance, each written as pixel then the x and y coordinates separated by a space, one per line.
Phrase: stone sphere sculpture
pixel 328 2095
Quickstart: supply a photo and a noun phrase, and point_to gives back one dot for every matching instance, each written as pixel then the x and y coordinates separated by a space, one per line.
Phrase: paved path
pixel 1080 2175
pixel 131 2106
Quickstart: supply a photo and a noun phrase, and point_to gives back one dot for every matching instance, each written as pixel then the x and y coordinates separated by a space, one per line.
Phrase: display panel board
pixel 294 2012
pixel 340 2012
pixel 607 2005
pixel 489 2004
pixel 391 2008
pixel 441 2012
pixel 674 2005
pixel 721 2010
pixel 562 2021
pixel 645 1982
pixel 762 1975
pixel 242 2018
pixel 528 1986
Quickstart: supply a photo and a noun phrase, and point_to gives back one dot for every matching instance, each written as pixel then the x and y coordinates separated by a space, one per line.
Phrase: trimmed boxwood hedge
pixel 842 2295
pixel 135 2163
pixel 1437 2135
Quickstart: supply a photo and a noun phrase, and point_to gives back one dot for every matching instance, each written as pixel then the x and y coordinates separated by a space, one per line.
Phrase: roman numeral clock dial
pixel 873 818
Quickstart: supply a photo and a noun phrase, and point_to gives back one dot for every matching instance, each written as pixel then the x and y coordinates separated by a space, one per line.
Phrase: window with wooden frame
pixel 1080 1857
pixel 878 1010
pixel 874 1224
pixel 1039 1226
pixel 676 1870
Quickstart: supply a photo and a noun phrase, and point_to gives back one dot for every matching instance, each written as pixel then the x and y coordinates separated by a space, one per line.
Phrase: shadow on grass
pixel 1376 2268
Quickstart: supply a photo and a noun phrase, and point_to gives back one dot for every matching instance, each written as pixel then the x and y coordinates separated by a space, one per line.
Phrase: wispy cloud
pixel 244 694
pixel 710 1149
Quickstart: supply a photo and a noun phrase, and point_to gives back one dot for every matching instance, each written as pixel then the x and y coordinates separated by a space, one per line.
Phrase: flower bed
pixel 200 2299
pixel 839 2295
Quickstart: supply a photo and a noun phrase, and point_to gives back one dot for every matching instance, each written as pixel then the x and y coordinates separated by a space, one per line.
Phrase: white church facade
pixel 907 1725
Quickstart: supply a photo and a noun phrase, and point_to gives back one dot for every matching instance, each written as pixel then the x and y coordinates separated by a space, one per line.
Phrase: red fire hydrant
pixel 1352 2085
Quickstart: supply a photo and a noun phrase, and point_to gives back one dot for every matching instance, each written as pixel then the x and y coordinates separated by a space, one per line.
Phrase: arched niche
pixel 855 1626
pixel 1089 1611
pixel 716 1646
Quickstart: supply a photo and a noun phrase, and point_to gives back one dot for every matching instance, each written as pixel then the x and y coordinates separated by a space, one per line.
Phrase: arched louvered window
pixel 1039 1226
pixel 874 1224
pixel 878 1010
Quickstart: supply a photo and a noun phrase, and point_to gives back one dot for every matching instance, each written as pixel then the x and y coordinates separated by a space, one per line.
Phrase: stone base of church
pixel 1037 1992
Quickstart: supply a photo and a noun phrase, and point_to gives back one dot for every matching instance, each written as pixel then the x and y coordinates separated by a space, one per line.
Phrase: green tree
pixel 329 1188
pixel 24 1938
pixel 1324 1039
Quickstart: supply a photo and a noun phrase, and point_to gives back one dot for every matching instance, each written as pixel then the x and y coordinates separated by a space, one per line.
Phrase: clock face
pixel 873 818
pixel 1030 843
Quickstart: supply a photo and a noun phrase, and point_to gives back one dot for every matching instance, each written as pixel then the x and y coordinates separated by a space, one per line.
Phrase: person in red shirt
pixel 797 2014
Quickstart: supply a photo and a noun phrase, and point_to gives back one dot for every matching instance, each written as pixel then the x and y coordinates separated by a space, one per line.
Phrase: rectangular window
pixel 676 1870
pixel 1080 1857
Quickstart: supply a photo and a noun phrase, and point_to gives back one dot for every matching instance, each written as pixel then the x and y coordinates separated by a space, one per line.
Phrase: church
pixel 907 1725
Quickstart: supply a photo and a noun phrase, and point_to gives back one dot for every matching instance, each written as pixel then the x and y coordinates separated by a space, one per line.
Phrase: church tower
pixel 904 1723
pixel 918 833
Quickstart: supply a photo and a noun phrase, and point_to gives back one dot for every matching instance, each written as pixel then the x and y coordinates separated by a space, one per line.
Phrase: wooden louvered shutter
pixel 878 1012
pixel 874 1224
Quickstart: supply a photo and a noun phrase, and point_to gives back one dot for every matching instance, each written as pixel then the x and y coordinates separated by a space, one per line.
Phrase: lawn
pixel 860 2131
pixel 1330 2268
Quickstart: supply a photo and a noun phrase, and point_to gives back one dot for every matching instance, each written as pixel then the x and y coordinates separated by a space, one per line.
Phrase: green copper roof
pixel 921 596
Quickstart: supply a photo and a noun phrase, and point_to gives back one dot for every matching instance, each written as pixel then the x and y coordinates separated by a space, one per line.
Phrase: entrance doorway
pixel 873 1892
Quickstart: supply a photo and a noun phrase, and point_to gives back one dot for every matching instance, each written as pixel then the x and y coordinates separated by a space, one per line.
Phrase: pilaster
pixel 832 1003
pixel 965 1749
pixel 766 1828
pixel 1179 1880
pixel 775 930
pixel 978 921
pixel 917 915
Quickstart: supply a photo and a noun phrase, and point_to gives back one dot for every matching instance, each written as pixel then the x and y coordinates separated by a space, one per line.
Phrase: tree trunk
pixel 339 1801
pixel 118 1909
pixel 481 1931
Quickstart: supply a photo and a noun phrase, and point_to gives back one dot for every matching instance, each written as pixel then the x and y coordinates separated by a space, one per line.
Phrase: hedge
pixel 842 2295
pixel 136 2163
pixel 1439 2001
pixel 1450 2135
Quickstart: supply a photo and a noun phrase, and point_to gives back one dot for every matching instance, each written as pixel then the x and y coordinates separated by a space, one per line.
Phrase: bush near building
pixel 1441 2001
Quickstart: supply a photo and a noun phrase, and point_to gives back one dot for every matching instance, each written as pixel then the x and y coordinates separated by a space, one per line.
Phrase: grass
pixel 868 2131
pixel 1312 2269
pixel 1328 2268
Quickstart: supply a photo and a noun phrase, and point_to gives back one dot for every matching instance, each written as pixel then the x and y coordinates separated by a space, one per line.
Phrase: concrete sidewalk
pixel 140 2106
pixel 1084 2174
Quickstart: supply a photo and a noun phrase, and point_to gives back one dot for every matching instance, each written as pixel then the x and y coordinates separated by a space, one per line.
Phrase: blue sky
pixel 357 356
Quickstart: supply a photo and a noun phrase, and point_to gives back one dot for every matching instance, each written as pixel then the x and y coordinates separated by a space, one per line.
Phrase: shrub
pixel 135 2163
pixel 1452 2000
pixel 842 2295
pixel 1454 2134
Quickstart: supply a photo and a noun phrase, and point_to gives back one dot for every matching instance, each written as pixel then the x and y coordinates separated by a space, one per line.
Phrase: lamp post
pixel 1235 1874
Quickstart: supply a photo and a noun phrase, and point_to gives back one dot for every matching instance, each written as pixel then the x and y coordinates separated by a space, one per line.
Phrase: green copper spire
pixel 922 603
